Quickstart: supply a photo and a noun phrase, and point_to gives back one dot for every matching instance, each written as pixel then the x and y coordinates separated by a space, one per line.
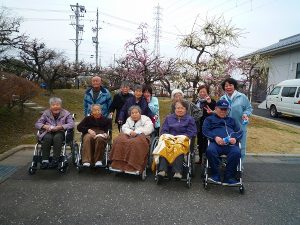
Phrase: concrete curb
pixel 12 151
pixel 276 121
pixel 24 147
pixel 272 155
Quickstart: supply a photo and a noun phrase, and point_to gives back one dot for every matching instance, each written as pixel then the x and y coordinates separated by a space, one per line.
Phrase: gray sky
pixel 263 22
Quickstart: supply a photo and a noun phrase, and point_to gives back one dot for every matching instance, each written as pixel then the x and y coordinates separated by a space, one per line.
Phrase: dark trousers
pixel 233 158
pixel 54 138
pixel 176 165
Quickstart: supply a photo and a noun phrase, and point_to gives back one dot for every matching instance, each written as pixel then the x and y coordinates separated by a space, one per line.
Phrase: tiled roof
pixel 281 45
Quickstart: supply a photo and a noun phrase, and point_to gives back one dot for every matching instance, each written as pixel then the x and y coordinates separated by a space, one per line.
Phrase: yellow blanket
pixel 170 147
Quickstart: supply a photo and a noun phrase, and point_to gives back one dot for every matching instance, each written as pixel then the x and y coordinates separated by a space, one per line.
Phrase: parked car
pixel 285 98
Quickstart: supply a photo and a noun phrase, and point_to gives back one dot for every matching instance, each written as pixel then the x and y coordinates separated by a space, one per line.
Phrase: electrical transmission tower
pixel 79 11
pixel 157 14
pixel 95 39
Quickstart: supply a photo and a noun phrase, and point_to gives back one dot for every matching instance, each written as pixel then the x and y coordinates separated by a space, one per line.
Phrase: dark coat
pixel 132 101
pixel 90 122
pixel 118 102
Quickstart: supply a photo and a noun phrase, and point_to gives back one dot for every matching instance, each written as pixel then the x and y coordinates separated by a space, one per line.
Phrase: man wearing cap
pixel 224 134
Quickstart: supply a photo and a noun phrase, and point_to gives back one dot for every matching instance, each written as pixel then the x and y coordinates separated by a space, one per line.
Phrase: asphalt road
pixel 272 196
pixel 282 118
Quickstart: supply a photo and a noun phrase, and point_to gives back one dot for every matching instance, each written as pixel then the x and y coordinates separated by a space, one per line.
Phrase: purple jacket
pixel 64 119
pixel 184 126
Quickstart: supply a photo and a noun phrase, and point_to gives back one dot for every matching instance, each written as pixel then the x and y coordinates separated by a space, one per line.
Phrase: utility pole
pixel 157 31
pixel 79 11
pixel 95 39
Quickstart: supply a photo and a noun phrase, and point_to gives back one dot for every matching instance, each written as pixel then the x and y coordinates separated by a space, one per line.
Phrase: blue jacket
pixel 154 107
pixel 184 126
pixel 104 99
pixel 130 102
pixel 214 126
pixel 239 105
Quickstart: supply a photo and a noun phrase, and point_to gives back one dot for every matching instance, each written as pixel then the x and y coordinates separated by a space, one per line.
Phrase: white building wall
pixel 283 67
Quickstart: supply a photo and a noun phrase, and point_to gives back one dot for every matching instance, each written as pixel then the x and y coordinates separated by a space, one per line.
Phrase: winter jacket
pixel 214 126
pixel 117 103
pixel 239 105
pixel 64 119
pixel 144 125
pixel 183 126
pixel 132 101
pixel 90 122
pixel 104 99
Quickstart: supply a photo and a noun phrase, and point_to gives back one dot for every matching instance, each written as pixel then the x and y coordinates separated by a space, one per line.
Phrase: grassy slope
pixel 263 136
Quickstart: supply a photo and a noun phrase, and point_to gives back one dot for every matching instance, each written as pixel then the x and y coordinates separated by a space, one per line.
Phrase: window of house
pixel 298 71
pixel 288 91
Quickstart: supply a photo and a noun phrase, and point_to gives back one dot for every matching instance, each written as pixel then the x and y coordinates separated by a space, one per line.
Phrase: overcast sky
pixel 263 23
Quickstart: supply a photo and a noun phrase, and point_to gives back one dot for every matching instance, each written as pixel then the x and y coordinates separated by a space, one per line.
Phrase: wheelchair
pixel 223 163
pixel 143 174
pixel 188 166
pixel 78 154
pixel 64 157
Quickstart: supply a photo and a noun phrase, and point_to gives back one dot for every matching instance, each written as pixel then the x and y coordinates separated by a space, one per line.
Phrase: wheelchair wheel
pixel 188 182
pixel 31 170
pixel 75 151
pixel 144 175
pixel 242 189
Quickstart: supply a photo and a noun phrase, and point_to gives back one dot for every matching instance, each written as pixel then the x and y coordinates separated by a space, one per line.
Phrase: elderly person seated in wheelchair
pixel 177 131
pixel 130 149
pixel 94 129
pixel 224 134
pixel 52 126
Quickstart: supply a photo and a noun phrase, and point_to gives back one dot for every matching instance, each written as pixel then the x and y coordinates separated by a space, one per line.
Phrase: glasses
pixel 223 109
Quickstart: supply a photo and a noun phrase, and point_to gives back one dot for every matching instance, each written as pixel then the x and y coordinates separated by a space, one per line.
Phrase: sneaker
pixel 215 179
pixel 231 182
pixel 86 164
pixel 98 163
pixel 177 176
pixel 45 164
pixel 161 173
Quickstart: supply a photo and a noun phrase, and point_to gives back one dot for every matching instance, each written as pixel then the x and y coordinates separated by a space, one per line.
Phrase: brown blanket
pixel 130 154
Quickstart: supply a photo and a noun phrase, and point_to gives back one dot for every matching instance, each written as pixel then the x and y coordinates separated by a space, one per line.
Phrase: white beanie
pixel 175 91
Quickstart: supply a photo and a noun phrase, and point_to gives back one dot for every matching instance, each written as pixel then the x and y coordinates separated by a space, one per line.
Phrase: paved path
pixel 96 197
pixel 284 119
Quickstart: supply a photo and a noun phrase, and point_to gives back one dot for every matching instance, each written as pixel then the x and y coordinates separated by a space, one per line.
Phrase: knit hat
pixel 175 91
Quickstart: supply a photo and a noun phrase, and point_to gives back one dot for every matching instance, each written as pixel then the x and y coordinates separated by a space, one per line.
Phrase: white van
pixel 285 98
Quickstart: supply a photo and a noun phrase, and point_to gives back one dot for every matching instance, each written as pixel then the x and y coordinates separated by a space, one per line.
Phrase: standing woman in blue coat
pixel 240 108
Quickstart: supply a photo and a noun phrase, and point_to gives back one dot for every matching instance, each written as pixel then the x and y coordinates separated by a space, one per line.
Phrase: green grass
pixel 16 128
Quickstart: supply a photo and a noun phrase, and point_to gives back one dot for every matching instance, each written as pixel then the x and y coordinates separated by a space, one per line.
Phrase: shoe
pixel 215 179
pixel 161 173
pixel 45 164
pixel 98 163
pixel 231 182
pixel 53 163
pixel 86 164
pixel 177 176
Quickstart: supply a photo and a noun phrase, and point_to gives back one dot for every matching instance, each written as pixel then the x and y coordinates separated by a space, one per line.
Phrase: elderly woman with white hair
pixel 52 125
pixel 177 95
pixel 130 149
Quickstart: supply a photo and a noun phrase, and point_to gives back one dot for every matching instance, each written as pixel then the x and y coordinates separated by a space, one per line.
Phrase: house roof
pixel 283 45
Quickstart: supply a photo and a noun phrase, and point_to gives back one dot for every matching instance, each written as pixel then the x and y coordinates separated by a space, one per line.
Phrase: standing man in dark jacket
pixel 119 100
pixel 97 95
pixel 224 134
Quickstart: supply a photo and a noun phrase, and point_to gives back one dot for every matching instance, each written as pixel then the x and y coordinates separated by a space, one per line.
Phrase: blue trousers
pixel 233 158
